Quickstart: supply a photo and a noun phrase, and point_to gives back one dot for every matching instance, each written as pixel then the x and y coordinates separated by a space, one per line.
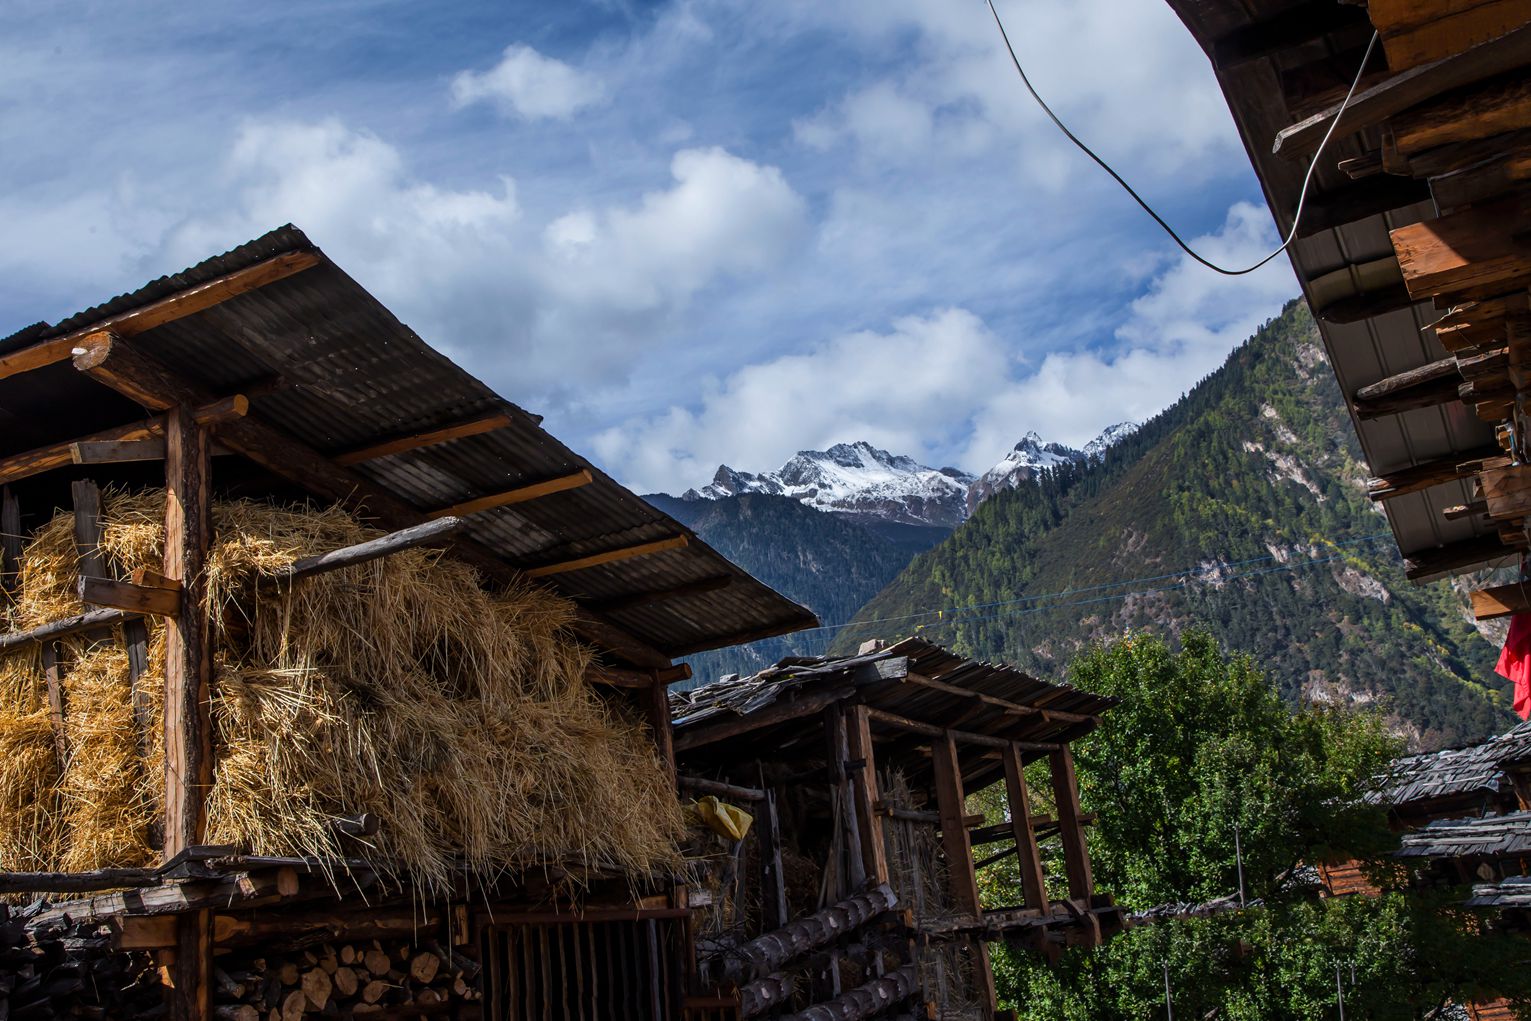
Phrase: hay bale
pixel 458 717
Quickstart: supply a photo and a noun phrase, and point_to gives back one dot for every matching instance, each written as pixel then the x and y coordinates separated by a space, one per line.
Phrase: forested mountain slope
pixel 1241 507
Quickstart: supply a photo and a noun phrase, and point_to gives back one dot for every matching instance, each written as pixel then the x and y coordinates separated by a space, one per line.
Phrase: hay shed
pixel 330 682
pixel 856 890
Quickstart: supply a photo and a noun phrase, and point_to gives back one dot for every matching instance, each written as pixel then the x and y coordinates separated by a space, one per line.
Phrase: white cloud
pixel 541 309
pixel 528 85
pixel 945 387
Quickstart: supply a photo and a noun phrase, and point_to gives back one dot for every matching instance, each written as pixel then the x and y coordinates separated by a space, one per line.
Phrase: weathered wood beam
pixel 1455 556
pixel 769 953
pixel 1022 830
pixel 414 441
pixel 719 789
pixel 1428 395
pixel 1487 112
pixel 365 552
pixel 1367 304
pixel 1076 855
pixel 863 775
pixel 57 455
pixel 68 626
pixel 636 599
pixel 873 998
pixel 656 702
pixel 167 310
pixel 1422 476
pixel 1479 247
pixel 1507 491
pixel 773 881
pixel 116 451
pixel 78 882
pixel 641 549
pixel 1409 379
pixel 1303 23
pixel 1407 89
pixel 1005 705
pixel 136 375
pixel 11 543
pixel 53 679
pixel 965 736
pixel 520 494
pixel 848 870
pixel 962 876
pixel 145 600
pixel 713 731
pixel 1501 601
pixel 1415 32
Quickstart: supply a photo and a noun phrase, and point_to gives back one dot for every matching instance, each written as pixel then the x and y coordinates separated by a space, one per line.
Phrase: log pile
pixel 59 969
pixel 377 979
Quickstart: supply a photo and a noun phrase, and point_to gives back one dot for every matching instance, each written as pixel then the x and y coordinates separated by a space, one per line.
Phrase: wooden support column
pixel 1033 884
pixel 53 676
pixel 10 543
pixel 960 871
pixel 1076 856
pixel 657 698
pixel 863 770
pixel 188 662
pixel 773 886
pixel 852 873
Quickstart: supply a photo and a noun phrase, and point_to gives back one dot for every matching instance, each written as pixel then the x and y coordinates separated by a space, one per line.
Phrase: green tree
pixel 1200 743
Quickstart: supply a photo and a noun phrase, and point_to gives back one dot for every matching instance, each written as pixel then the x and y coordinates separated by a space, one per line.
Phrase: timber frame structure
pixel 268 373
pixel 1411 252
pixel 864 894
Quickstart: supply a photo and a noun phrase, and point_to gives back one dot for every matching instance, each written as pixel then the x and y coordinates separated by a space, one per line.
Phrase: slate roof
pixel 1512 892
pixel 1492 836
pixel 1455 772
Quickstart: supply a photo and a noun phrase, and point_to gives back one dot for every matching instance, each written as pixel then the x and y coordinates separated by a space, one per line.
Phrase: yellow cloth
pixel 724 820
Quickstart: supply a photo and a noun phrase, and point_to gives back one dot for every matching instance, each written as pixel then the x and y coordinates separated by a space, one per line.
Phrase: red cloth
pixel 1515 662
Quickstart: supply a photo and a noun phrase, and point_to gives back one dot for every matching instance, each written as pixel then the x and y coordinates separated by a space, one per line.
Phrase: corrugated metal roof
pixel 348 374
pixel 883 679
pixel 1340 263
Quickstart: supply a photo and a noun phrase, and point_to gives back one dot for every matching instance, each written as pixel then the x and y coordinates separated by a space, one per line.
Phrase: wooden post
pixel 959 852
pixel 1032 883
pixel 773 886
pixel 10 542
pixel 53 675
pixel 188 668
pixel 853 873
pixel 874 855
pixel 87 528
pixel 657 695
pixel 1076 856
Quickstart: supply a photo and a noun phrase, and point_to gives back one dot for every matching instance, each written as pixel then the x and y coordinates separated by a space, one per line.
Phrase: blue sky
pixel 685 232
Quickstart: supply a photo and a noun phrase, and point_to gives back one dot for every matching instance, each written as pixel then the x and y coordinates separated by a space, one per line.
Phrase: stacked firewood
pixel 59 968
pixel 364 979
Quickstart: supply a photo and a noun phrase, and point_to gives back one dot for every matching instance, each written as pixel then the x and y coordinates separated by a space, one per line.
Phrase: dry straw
pixel 459 718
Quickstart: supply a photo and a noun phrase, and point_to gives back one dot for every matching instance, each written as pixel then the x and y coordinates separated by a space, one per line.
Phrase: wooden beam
pixel 1455 556
pixel 521 494
pixel 11 543
pixel 414 441
pixel 1023 831
pixel 86 496
pixel 116 451
pixel 863 766
pixel 365 552
pixel 964 736
pixel 850 869
pixel 68 626
pixel 135 374
pixel 715 730
pixel 58 455
pixel 1416 32
pixel 137 599
pixel 637 599
pixel 1422 476
pixel 166 310
pixel 1501 601
pixel 53 678
pixel 1406 89
pixel 656 700
pixel 1507 491
pixel 1428 395
pixel 1366 305
pixel 962 877
pixel 188 659
pixel 1475 248
pixel 1003 704
pixel 1076 855
pixel 641 549
pixel 773 883
pixel 1444 368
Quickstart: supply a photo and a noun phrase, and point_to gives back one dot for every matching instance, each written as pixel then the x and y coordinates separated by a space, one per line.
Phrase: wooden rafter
pixel 460 430
pixel 134 374
pixel 167 310
pixel 520 494
pixel 1456 556
pixel 613 556
pixel 1422 476
pixel 1406 89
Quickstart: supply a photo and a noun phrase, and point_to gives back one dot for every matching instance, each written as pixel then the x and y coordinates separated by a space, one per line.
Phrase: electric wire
pixel 1307 180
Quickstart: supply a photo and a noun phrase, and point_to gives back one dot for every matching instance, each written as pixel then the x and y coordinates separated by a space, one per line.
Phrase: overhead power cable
pixel 1307 180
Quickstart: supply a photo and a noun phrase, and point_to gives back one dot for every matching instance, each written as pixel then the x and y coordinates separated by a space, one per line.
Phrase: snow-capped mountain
pixel 1021 464
pixel 855 478
pixel 860 479
pixel 1111 435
